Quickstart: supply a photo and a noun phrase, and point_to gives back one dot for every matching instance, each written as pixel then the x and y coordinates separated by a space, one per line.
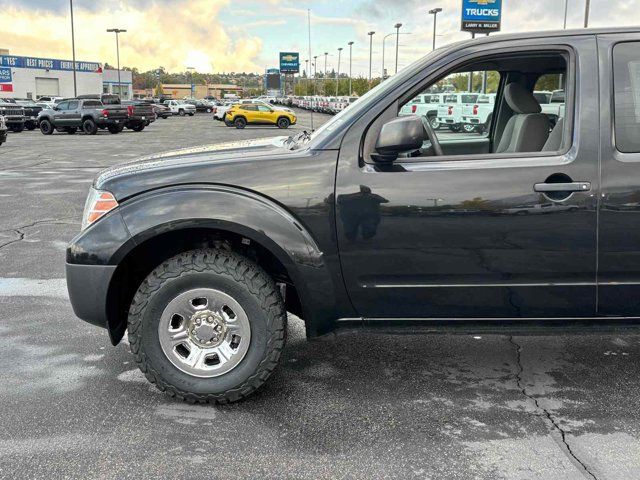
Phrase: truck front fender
pixel 250 215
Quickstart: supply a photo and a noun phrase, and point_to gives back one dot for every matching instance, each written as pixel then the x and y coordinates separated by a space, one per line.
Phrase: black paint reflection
pixel 360 213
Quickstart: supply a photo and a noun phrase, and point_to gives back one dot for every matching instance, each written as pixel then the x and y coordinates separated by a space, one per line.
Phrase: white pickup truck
pixel 425 105
pixel 477 117
pixel 178 107
pixel 450 111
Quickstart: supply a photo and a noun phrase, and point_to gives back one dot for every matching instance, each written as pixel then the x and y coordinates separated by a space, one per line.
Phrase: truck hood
pixel 187 165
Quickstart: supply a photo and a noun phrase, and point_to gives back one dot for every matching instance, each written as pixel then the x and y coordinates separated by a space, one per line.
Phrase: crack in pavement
pixel 545 414
pixel 21 234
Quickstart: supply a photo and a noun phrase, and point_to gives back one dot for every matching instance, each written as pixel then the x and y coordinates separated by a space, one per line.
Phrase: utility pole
pixel 338 71
pixel 117 31
pixel 587 7
pixel 397 27
pixel 434 12
pixel 324 80
pixel 371 34
pixel 350 57
pixel 73 50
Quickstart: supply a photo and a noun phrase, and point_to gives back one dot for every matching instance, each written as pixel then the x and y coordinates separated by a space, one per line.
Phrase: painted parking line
pixel 33 287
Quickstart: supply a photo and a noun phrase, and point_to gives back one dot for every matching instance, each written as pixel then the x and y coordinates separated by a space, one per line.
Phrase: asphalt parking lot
pixel 359 405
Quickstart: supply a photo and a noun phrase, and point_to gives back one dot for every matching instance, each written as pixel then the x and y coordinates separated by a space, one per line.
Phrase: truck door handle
pixel 562 187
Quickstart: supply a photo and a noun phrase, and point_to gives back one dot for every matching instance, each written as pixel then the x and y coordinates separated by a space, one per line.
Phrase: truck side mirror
pixel 402 135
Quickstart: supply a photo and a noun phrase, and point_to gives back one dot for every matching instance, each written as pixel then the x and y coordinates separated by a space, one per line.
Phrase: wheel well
pixel 239 116
pixel 145 257
pixel 87 117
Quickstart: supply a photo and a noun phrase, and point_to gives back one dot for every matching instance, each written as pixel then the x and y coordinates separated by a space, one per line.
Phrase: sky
pixel 246 35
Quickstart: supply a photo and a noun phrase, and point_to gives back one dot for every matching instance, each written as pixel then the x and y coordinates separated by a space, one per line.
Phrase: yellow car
pixel 241 115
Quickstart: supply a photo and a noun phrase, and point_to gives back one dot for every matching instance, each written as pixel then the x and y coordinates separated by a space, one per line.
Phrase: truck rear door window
pixel 626 78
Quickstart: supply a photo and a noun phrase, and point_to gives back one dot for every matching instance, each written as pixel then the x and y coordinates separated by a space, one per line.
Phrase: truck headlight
pixel 98 204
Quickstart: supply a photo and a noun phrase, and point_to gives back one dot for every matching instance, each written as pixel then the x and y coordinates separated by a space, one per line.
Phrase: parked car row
pixel 317 103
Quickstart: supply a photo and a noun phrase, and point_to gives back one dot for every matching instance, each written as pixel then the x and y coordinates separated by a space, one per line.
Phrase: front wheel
pixel 46 127
pixel 181 113
pixel 240 123
pixel 468 128
pixel 115 129
pixel 207 326
pixel 138 128
pixel 283 122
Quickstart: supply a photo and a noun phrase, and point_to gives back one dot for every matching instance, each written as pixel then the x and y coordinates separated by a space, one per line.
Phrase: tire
pixel 228 123
pixel 164 117
pixel 138 128
pixel 31 126
pixel 46 127
pixel 468 128
pixel 181 112
pixel 435 124
pixel 242 284
pixel 115 129
pixel 454 128
pixel 283 123
pixel 191 114
pixel 208 110
pixel 71 130
pixel 240 123
pixel 89 127
pixel 17 128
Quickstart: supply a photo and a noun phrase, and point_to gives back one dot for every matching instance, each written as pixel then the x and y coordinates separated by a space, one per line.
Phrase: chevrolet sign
pixel 481 16
pixel 289 62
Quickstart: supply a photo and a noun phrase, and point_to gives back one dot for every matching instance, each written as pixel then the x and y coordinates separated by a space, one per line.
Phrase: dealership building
pixel 34 77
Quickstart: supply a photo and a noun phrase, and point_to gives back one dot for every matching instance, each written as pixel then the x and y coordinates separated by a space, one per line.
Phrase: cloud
pixel 174 34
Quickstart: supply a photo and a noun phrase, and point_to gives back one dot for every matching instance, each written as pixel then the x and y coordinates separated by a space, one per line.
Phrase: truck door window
pixel 500 104
pixel 626 79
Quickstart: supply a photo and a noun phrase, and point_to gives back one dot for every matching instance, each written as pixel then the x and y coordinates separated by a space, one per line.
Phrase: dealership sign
pixel 289 62
pixel 6 84
pixel 481 16
pixel 11 61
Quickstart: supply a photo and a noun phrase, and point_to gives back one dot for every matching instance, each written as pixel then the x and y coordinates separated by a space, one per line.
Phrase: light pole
pixel 338 71
pixel 350 56
pixel 587 5
pixel 566 9
pixel 117 31
pixel 371 34
pixel 434 12
pixel 384 49
pixel 315 72
pixel 397 27
pixel 191 69
pixel 73 51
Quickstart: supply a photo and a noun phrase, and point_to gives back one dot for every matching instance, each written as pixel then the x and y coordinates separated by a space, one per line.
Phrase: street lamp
pixel 371 34
pixel 397 27
pixel 384 39
pixel 117 31
pixel 191 69
pixel 338 71
pixel 315 72
pixel 434 12
pixel 73 50
pixel 350 56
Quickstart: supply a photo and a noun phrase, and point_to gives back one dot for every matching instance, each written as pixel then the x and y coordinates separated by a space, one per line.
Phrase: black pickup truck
pixel 375 221
pixel 88 115
pixel 140 114
pixel 13 115
pixel 31 111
